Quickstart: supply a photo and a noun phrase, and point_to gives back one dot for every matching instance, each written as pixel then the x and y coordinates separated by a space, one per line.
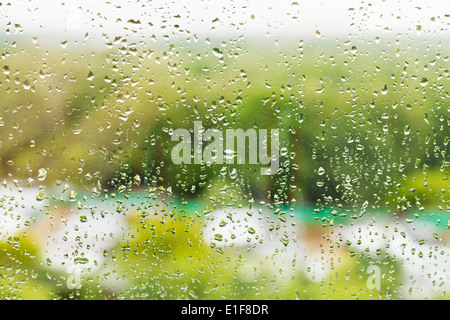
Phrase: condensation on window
pixel 233 150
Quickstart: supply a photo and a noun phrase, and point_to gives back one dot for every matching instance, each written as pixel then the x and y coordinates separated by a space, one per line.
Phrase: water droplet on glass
pixel 42 174
pixel 217 52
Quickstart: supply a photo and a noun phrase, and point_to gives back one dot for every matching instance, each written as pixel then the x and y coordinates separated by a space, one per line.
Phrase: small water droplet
pixel 284 241
pixel 42 174
pixel 424 82
pixel 81 260
pixel 217 52
pixel 72 196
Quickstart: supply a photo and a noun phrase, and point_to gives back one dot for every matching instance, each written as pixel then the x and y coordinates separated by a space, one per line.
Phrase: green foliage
pixel 358 116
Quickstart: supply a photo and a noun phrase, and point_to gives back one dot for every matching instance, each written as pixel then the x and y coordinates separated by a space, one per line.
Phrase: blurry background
pixel 92 206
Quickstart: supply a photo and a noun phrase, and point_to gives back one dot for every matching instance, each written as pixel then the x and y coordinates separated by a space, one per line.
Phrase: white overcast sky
pixel 58 19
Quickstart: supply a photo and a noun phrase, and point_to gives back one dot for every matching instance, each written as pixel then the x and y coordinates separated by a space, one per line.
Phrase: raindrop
pixel 217 52
pixel 42 174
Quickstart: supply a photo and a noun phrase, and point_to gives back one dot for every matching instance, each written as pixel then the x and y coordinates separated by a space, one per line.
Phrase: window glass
pixel 224 150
